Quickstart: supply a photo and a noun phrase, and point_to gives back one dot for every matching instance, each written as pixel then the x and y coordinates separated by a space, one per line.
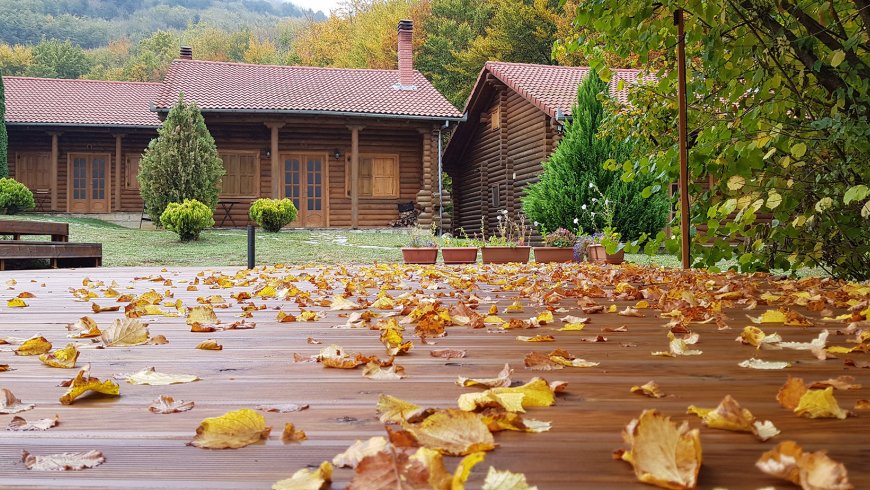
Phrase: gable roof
pixel 65 102
pixel 552 89
pixel 238 87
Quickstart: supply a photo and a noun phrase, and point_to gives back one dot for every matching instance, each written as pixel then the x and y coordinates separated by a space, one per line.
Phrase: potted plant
pixel 458 250
pixel 558 246
pixel 510 244
pixel 604 246
pixel 421 249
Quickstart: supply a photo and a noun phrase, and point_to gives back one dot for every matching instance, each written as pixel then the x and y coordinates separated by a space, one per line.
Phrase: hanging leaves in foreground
pixel 20 424
pixel 812 471
pixel 125 332
pixel 167 404
pixel 83 383
pixel 62 358
pixel 63 461
pixel 662 453
pixel 33 346
pixel 9 403
pixel 306 479
pixel 231 430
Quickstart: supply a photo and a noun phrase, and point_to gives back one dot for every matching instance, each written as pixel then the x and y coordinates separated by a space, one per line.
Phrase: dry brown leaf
pixel 811 471
pixel 358 451
pixel 158 340
pixel 84 327
pixel 150 376
pixel 862 405
pixel 83 382
pixel 10 404
pixel 33 346
pixel 62 358
pixel 502 379
pixel 650 389
pixel 453 432
pixel 99 309
pixel 209 344
pixel 290 434
pixel 396 411
pixel 536 338
pixel 235 429
pixel 166 404
pixel 629 311
pixel 840 383
pixel 729 415
pixel 505 480
pixel 125 332
pixel 306 479
pixel 448 353
pixel 540 361
pixel 283 408
pixel 19 424
pixel 662 453
pixel 63 461
pixel 399 470
pixel 791 392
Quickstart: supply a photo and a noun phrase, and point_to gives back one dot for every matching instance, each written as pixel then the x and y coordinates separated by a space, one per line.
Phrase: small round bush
pixel 15 196
pixel 272 214
pixel 187 219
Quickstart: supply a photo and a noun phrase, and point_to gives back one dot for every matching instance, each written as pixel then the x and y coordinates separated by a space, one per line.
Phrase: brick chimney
pixel 185 53
pixel 406 56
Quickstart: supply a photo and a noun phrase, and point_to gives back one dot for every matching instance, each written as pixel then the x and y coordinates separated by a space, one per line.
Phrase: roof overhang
pixel 306 112
pixel 82 125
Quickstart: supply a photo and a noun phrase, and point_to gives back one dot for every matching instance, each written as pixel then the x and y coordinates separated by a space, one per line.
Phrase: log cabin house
pixel 346 145
pixel 515 115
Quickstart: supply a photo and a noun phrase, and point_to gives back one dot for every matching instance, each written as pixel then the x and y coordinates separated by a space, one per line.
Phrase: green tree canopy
pixel 181 163
pixel 58 59
pixel 779 111
pixel 563 192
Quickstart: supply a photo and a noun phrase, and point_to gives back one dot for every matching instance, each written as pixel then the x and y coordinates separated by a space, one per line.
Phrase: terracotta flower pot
pixel 420 255
pixel 598 254
pixel 459 255
pixel 554 254
pixel 504 255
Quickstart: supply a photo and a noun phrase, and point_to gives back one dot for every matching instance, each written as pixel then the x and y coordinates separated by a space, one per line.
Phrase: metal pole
pixel 251 252
pixel 684 149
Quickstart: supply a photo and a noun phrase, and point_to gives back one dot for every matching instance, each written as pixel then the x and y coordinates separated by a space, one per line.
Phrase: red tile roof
pixel 553 89
pixel 231 87
pixel 62 102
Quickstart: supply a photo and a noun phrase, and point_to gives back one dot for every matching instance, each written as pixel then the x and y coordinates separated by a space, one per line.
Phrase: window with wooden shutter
pixel 33 170
pixel 242 174
pixel 131 172
pixel 378 176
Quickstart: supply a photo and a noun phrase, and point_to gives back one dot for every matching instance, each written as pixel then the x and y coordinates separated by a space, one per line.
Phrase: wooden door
pixel 304 182
pixel 88 183
pixel 34 170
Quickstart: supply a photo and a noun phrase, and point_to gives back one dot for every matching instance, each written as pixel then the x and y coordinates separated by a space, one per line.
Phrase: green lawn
pixel 226 247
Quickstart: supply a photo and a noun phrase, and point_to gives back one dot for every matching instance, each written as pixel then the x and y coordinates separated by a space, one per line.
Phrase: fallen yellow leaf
pixel 33 347
pixel 306 479
pixel 61 358
pixel 125 332
pixel 83 383
pixel 453 432
pixel 231 430
pixel 819 404
pixel 662 453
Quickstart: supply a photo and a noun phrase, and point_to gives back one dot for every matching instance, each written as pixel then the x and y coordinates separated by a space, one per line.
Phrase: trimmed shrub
pixel 272 214
pixel 557 199
pixel 187 219
pixel 181 163
pixel 15 196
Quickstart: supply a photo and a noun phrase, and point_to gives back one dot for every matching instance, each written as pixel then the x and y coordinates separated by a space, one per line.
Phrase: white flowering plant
pixel 605 209
pixel 510 232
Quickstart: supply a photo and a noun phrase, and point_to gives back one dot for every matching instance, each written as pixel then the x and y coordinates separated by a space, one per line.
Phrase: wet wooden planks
pixel 144 450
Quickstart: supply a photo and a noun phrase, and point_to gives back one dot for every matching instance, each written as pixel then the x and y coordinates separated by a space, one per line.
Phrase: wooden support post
pixel 53 169
pixel 118 164
pixel 276 159
pixel 354 175
pixel 684 150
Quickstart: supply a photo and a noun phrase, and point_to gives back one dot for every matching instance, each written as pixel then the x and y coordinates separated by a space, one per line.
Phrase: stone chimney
pixel 406 56
pixel 185 53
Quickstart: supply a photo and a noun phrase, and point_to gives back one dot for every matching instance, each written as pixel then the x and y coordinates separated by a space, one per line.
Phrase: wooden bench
pixel 59 254
pixel 59 251
pixel 59 232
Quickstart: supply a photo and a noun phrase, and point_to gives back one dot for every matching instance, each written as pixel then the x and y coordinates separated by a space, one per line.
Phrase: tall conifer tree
pixel 181 163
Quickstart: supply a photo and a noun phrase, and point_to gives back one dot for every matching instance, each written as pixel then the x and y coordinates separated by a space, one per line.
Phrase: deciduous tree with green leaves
pixel 565 188
pixel 181 163
pixel 779 114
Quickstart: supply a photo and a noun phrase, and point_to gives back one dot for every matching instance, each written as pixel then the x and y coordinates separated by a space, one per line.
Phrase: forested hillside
pixel 136 40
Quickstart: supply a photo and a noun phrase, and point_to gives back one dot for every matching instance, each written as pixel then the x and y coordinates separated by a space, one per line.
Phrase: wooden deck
pixel 144 450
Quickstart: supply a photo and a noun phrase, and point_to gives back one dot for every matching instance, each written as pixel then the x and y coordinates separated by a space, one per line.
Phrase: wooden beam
pixel 53 169
pixel 118 156
pixel 354 175
pixel 684 149
pixel 276 159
